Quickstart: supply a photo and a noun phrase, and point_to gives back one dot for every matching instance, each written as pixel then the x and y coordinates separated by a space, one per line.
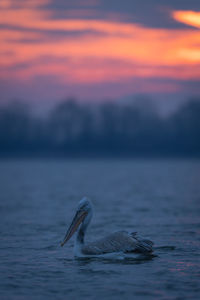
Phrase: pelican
pixel 117 242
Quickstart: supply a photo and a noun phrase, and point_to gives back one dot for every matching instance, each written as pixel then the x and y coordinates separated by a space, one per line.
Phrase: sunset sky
pixel 98 49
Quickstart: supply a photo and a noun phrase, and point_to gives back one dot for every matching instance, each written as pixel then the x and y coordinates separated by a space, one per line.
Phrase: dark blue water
pixel 159 199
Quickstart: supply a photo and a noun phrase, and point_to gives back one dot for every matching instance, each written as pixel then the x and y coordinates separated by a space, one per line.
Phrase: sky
pixel 98 49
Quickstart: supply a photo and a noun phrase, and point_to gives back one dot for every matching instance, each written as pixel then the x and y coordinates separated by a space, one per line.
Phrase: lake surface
pixel 159 199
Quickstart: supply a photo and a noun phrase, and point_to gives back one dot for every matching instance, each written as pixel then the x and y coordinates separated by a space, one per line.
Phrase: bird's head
pixel 83 214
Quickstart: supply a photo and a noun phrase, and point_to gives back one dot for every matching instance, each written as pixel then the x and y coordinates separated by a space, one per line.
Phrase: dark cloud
pixel 151 13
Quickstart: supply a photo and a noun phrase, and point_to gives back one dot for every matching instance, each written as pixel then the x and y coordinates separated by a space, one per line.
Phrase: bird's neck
pixel 80 237
pixel 79 242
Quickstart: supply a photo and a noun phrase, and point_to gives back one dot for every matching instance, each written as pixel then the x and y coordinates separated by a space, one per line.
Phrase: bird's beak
pixel 78 218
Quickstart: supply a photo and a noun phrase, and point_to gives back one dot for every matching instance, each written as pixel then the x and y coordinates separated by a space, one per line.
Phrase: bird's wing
pixel 120 241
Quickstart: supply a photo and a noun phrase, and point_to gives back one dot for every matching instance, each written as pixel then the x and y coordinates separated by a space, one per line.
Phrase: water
pixel 159 199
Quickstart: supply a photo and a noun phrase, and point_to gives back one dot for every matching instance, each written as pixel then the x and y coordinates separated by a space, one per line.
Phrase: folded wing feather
pixel 120 241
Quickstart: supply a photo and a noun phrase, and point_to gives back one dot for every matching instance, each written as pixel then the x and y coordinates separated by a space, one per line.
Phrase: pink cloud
pixel 102 52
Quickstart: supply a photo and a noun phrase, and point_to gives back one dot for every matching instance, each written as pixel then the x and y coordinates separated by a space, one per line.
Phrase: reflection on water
pixel 159 199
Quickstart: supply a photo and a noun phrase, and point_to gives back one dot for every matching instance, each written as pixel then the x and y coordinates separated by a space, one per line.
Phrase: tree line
pixel 107 129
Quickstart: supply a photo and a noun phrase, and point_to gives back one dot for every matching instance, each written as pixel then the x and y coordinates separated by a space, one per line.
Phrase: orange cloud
pixel 187 17
pixel 136 51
